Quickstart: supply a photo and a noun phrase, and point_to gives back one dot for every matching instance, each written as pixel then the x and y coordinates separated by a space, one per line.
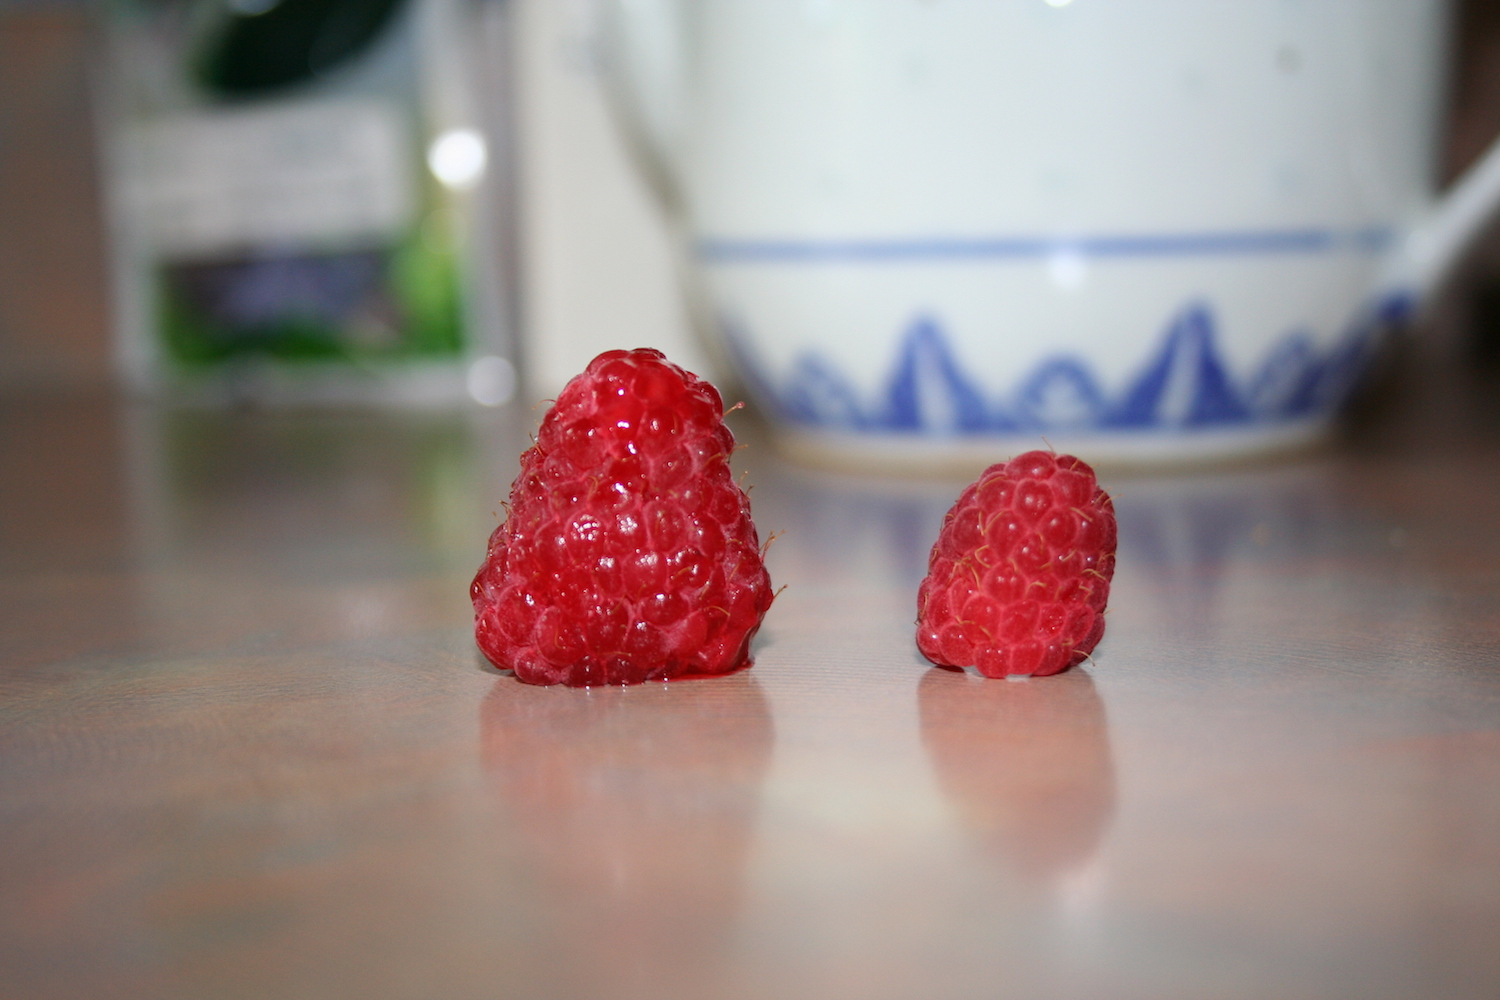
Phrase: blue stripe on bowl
pixel 1368 240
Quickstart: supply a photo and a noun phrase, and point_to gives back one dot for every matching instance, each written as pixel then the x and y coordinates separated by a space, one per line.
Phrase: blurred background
pixel 558 194
pixel 581 262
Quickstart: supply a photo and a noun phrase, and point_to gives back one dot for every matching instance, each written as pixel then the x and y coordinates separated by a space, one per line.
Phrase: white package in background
pixel 308 199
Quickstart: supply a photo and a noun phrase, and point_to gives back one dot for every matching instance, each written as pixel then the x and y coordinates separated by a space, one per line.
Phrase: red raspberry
pixel 628 554
pixel 1017 581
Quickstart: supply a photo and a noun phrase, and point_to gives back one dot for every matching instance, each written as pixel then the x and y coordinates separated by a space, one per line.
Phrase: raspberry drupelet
pixel 628 553
pixel 1019 576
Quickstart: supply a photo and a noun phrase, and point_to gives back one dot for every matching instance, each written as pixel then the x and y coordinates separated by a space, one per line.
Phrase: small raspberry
pixel 628 554
pixel 1019 576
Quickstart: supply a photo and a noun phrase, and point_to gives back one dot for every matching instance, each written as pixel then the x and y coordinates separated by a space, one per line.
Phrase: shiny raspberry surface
pixel 1019 576
pixel 628 553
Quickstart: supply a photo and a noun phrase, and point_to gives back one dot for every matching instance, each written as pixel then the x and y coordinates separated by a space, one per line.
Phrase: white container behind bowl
pixel 599 259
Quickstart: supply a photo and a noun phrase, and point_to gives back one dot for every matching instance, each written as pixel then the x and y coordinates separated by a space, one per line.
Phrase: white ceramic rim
pixel 916 455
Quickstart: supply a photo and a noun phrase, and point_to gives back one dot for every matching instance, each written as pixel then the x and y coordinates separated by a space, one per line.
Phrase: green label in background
pixel 362 306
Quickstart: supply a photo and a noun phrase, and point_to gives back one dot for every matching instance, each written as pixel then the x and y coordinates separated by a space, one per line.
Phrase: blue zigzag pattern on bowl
pixel 1184 385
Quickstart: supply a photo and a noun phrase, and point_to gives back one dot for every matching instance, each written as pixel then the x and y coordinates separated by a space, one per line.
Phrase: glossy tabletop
pixel 248 748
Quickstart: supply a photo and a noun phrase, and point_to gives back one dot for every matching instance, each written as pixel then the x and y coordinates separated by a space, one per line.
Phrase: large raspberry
pixel 1019 576
pixel 628 554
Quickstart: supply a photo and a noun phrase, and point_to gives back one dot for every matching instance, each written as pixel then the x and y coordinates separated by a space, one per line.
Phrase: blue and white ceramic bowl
pixel 939 232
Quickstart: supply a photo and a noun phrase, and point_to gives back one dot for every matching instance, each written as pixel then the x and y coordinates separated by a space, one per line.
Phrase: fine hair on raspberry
pixel 1019 577
pixel 628 553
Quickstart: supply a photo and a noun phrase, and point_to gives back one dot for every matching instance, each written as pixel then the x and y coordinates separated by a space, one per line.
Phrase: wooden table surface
pixel 248 749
